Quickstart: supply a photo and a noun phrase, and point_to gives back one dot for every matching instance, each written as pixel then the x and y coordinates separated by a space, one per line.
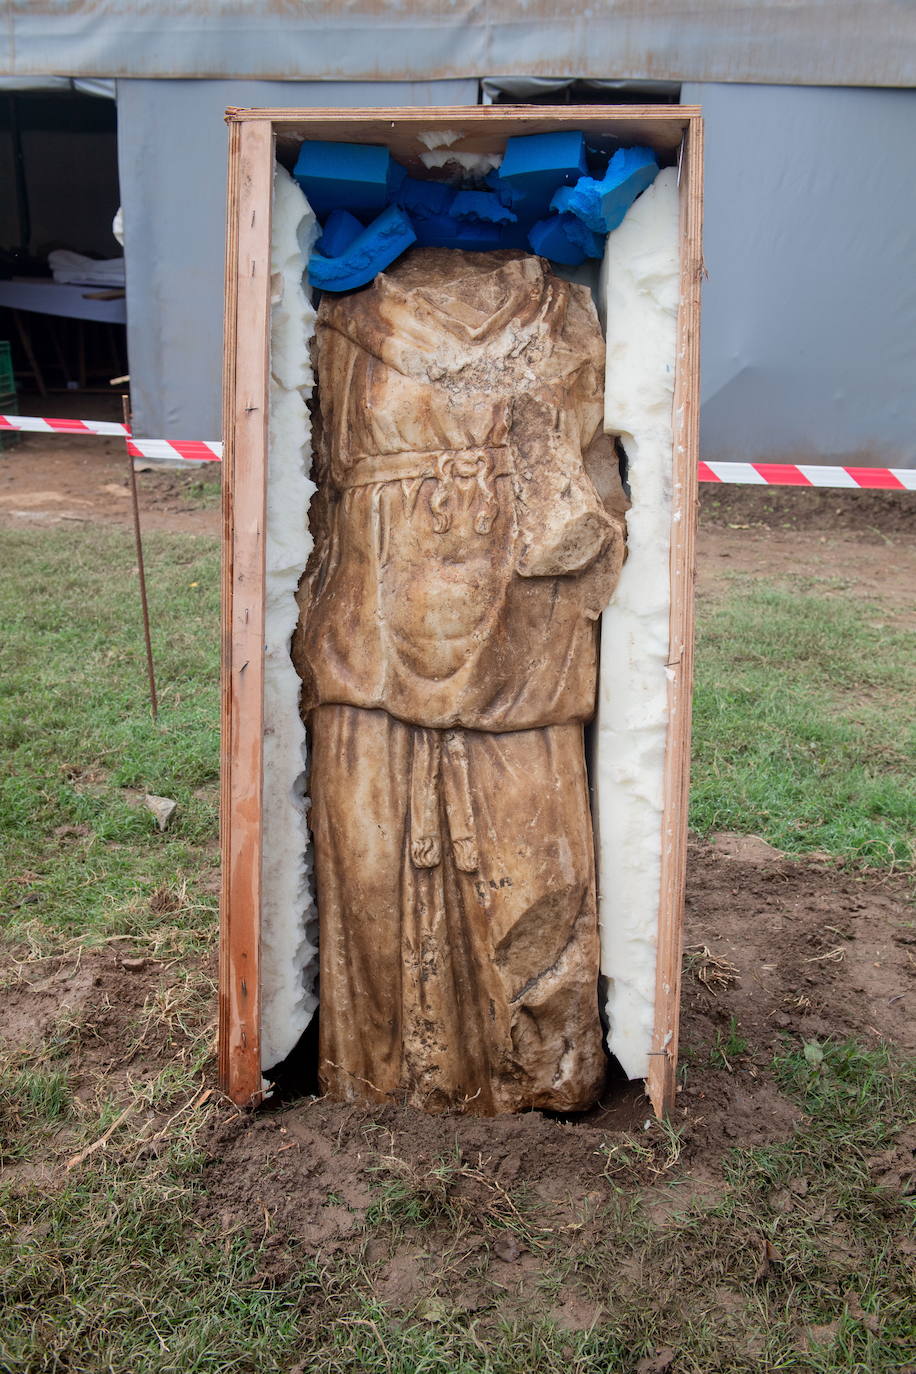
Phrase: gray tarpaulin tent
pixel 809 337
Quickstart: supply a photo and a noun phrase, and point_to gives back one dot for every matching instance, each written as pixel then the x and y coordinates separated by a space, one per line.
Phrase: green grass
pixel 33 1100
pixel 803 725
pixel 798 1259
pixel 728 1047
pixel 77 742
pixel 113 1271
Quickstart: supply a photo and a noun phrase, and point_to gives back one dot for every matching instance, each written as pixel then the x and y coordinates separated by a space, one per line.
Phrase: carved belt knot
pixel 465 467
pixel 439 770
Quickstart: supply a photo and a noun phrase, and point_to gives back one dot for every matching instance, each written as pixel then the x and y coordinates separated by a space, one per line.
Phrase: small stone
pixel 507 1248
pixel 161 807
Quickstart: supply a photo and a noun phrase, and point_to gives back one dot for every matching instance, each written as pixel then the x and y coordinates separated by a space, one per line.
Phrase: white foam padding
pixel 458 166
pixel 639 292
pixel 288 959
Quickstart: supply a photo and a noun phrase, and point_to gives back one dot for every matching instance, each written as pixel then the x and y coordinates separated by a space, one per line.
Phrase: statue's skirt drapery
pixel 447 647
pixel 463 988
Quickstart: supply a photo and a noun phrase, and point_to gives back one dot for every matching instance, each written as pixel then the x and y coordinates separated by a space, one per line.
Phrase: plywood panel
pixel 481 128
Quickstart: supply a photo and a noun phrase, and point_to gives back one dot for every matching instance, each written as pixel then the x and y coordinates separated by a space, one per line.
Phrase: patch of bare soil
pixel 73 481
pixel 779 949
pixel 856 544
pixel 112 1010
pixel 866 513
pixel 775 949
pixel 879 571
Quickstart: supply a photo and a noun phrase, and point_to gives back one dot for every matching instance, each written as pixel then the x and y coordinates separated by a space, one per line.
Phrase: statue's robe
pixel 448 650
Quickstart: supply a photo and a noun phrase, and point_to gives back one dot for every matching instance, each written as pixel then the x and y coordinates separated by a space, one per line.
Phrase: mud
pixel 66 480
pixel 778 952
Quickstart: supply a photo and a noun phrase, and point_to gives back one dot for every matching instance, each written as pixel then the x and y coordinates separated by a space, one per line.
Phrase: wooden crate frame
pixel 256 139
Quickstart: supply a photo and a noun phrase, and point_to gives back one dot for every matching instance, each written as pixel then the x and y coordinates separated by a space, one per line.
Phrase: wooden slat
pixel 661 1081
pixel 483 128
pixel 245 418
pixel 225 820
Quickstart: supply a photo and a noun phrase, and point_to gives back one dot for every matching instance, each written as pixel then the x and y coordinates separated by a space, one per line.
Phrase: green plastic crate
pixel 9 405
pixel 7 380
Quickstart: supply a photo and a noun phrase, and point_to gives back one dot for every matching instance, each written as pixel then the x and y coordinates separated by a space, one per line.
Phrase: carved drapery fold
pixel 448 654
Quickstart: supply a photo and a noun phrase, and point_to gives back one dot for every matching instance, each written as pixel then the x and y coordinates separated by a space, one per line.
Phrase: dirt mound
pixel 776 950
pixel 525 1216
pixel 819 952
pixel 779 951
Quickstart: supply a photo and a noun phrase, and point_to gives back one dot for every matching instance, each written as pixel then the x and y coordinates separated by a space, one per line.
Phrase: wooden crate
pixel 256 139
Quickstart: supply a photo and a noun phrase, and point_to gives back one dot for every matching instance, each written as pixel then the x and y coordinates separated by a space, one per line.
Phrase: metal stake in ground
pixel 154 702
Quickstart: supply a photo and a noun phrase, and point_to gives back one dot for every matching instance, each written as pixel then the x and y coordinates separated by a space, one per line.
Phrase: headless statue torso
pixel 447 647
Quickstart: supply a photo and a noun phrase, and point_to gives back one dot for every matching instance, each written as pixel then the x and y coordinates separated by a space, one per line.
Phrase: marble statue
pixel 448 650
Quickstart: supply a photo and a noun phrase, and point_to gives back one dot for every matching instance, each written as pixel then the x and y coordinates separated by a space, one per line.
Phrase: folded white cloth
pixel 77 270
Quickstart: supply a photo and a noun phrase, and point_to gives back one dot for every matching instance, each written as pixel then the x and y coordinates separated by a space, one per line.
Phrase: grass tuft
pixel 78 747
pixel 803 725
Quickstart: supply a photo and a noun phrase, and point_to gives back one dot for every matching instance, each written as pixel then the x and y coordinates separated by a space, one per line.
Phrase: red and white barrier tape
pixel 197 450
pixel 745 474
pixel 809 475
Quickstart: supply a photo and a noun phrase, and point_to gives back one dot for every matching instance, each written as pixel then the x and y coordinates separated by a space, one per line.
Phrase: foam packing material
pixel 601 205
pixel 346 176
pixel 565 239
pixel 341 229
pixel 369 253
pixel 638 297
pixel 288 917
pixel 481 205
pixel 536 164
pixel 639 292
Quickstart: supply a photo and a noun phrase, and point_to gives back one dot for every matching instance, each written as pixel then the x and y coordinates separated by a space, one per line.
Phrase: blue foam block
pixel 536 164
pixel 527 207
pixel 507 193
pixel 435 231
pixel 474 236
pixel 345 176
pixel 592 244
pixel 514 235
pixel 481 205
pixel 565 239
pixel 601 205
pixel 375 249
pixel 422 199
pixel 340 230
pixel 514 198
pixel 477 236
pixel 548 240
pixel 397 175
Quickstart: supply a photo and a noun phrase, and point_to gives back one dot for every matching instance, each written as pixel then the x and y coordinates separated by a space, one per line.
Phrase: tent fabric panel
pixel 817 42
pixel 809 310
pixel 172 161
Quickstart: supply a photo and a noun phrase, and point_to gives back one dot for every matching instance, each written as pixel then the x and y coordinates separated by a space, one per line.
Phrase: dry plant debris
pixel 715 973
